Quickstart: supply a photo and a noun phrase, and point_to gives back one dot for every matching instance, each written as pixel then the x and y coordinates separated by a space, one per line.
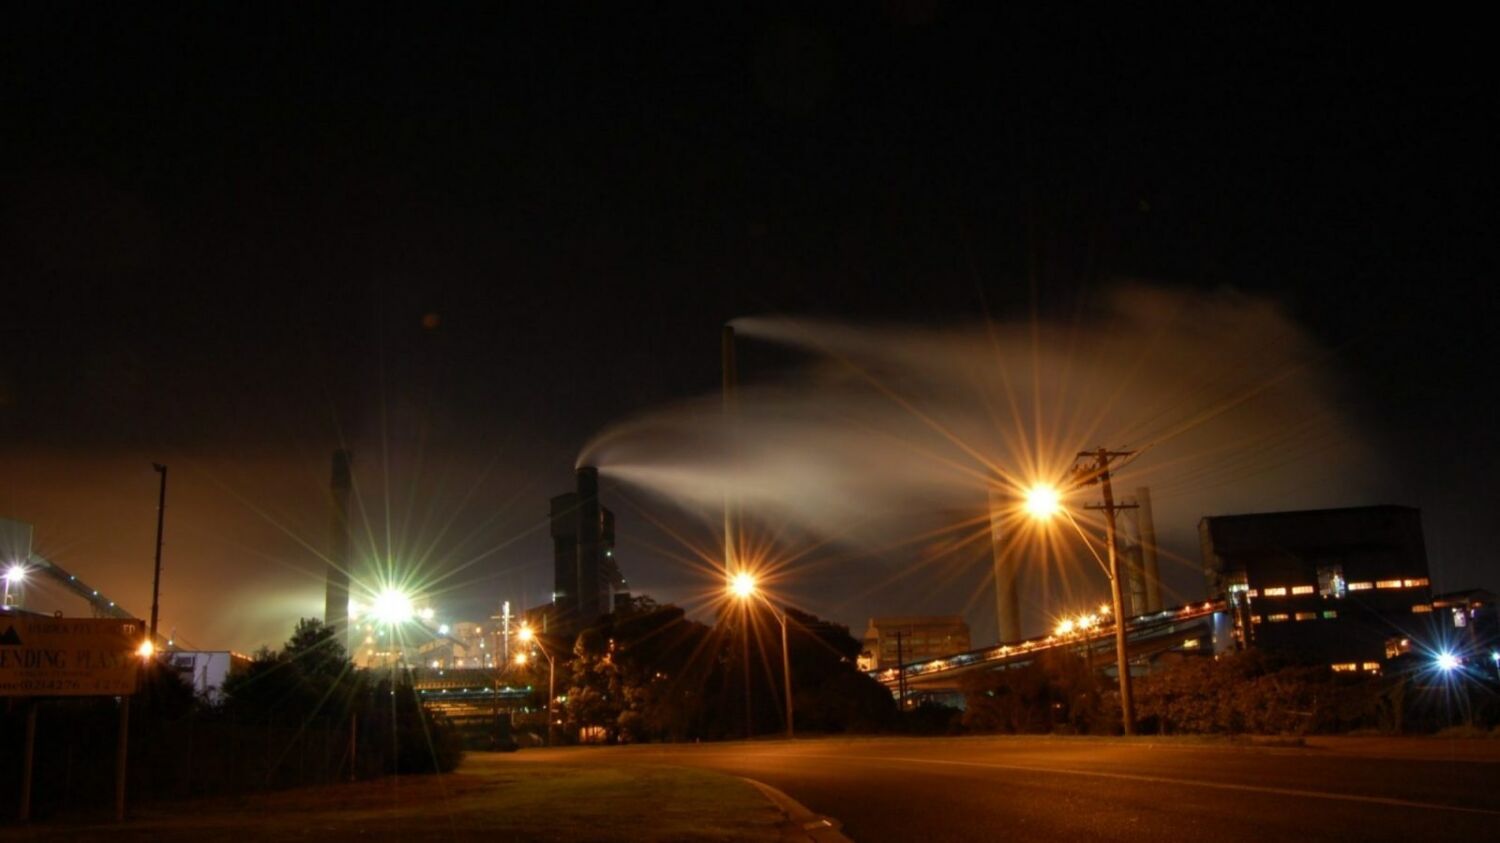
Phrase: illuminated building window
pixel 1373 667
pixel 1388 583
pixel 1256 618
pixel 1307 616
pixel 1361 586
pixel 1330 614
pixel 1277 618
pixel 1254 592
pixel 1276 592
pixel 1302 589
pixel 1331 581
pixel 1460 618
pixel 1419 608
pixel 1343 667
pixel 1416 583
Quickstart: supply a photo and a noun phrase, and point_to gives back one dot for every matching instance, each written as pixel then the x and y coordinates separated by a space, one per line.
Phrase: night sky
pixel 464 240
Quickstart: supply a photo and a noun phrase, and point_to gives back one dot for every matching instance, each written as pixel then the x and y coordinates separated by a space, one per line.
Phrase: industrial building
pixel 587 582
pixel 902 640
pixel 1341 586
pixel 206 670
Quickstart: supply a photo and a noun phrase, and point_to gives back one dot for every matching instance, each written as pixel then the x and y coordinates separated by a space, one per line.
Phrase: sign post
pixel 120 751
pixel 69 657
pixel 29 752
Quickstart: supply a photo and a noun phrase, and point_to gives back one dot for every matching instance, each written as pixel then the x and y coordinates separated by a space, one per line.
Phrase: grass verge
pixel 491 797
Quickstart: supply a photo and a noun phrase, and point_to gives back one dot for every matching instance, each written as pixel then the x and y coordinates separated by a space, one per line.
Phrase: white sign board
pixel 73 657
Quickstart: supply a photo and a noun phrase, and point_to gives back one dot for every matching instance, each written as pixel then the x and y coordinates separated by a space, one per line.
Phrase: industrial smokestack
pixel 1148 549
pixel 1007 575
pixel 336 595
pixel 731 378
pixel 1129 548
pixel 590 551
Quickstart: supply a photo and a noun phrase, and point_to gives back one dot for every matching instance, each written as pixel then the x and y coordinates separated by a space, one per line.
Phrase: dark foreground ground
pixel 490 798
pixel 886 789
pixel 971 789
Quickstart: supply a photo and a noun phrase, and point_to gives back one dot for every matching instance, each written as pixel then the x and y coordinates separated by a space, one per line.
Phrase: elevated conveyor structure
pixel 99 603
pixel 1146 635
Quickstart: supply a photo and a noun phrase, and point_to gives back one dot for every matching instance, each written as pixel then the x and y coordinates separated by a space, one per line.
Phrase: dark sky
pixel 221 230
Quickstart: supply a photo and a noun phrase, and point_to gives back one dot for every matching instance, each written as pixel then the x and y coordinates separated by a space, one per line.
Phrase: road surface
pixel 963 789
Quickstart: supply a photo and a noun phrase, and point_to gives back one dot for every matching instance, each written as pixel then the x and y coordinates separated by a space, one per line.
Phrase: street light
pixel 392 607
pixel 1042 502
pixel 15 574
pixel 743 587
pixel 527 636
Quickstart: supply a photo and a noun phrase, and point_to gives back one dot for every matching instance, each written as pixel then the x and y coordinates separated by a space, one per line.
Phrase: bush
pixel 1056 693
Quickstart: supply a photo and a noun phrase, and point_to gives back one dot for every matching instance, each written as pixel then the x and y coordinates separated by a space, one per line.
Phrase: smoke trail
pixel 889 431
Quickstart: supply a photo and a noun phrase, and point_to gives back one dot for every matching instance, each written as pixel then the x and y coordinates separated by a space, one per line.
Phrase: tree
pixel 640 674
pixel 309 680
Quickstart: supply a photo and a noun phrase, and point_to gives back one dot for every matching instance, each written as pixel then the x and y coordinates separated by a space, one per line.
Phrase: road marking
pixel 1135 777
pixel 816 828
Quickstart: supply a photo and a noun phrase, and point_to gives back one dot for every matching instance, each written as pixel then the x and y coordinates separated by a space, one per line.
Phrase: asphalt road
pixel 962 789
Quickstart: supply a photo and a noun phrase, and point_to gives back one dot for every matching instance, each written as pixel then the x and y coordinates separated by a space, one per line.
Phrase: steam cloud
pixel 890 431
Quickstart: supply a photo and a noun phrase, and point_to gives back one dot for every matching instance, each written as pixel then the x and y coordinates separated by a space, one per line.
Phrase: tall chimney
pixel 1007 575
pixel 590 550
pixel 336 595
pixel 1129 548
pixel 1148 549
pixel 731 377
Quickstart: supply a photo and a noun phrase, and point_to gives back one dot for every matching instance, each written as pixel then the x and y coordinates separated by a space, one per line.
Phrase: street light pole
pixel 551 694
pixel 527 636
pixel 786 673
pixel 743 586
pixel 161 513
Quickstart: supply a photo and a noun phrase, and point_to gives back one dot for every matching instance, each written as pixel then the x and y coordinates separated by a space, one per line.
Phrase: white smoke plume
pixel 889 433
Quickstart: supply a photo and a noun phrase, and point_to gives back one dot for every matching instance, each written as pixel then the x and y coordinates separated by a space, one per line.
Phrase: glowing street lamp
pixel 15 574
pixel 1447 662
pixel 1042 502
pixel 526 635
pixel 743 587
pixel 392 607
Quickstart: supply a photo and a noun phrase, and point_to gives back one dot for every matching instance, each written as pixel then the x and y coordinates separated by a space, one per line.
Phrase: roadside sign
pixel 68 657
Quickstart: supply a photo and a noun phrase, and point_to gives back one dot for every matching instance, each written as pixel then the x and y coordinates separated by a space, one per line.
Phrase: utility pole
pixel 161 513
pixel 1098 472
pixel 502 634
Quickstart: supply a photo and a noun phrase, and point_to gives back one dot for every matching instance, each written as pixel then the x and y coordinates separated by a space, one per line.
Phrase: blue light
pixel 1447 661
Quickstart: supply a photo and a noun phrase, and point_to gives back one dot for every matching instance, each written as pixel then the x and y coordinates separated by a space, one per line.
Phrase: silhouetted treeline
pixel 649 673
pixel 1253 692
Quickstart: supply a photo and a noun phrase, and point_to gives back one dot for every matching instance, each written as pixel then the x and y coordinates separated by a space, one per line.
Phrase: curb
pixel 801 823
